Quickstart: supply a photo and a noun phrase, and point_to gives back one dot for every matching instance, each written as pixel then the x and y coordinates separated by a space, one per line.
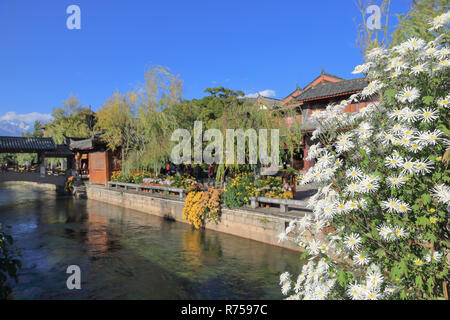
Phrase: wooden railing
pixel 152 189
pixel 284 203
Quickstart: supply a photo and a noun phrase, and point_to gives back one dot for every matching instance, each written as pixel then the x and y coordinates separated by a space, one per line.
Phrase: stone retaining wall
pixel 244 223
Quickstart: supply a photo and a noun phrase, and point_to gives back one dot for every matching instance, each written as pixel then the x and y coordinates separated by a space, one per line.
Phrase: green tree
pixel 116 119
pixel 415 23
pixel 70 120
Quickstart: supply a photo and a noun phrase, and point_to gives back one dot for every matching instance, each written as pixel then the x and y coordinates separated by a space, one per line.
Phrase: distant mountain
pixel 14 128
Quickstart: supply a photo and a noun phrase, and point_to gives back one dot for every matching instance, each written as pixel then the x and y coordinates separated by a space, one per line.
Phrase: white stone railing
pixel 284 203
pixel 152 189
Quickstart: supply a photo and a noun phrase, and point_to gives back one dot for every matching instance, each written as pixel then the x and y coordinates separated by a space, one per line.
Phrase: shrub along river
pixel 126 254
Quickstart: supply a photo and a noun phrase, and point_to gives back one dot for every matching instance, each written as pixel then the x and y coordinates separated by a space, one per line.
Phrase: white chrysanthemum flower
pixel 408 166
pixel 386 232
pixel 395 182
pixel 414 44
pixel 441 193
pixel 444 102
pixel 286 287
pixel 400 232
pixel 418 69
pixel 363 68
pixel 408 94
pixel 436 256
pixel 285 276
pixel 352 241
pixel 391 205
pixel 424 166
pixel 355 291
pixel 361 258
pixel 429 137
pixel 394 161
pixel 354 173
pixel 369 185
pixel 428 114
pixel 440 21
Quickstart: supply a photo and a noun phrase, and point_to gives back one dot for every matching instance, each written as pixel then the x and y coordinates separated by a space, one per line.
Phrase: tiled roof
pixel 61 151
pixel 85 144
pixel 26 144
pixel 332 88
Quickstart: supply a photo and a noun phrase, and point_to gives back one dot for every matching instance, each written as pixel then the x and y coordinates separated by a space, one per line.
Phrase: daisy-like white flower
pixel 391 205
pixel 363 68
pixel 429 137
pixel 408 94
pixel 361 258
pixel 440 21
pixel 414 44
pixel 352 241
pixel 415 146
pixel 400 232
pixel 408 166
pixel 428 114
pixel 375 53
pixel 417 69
pixel 424 166
pixel 441 193
pixel 394 161
pixel 286 287
pixel 435 256
pixel 444 102
pixel 354 173
pixel 351 205
pixel 285 276
pixel 395 182
pixel 386 232
pixel 369 185
pixel 355 291
pixel 409 115
pixel 443 53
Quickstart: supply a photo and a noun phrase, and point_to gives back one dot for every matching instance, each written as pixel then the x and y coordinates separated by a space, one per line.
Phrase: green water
pixel 125 254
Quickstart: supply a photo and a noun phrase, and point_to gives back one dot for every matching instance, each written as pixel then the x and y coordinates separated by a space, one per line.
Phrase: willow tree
pixel 161 91
pixel 117 120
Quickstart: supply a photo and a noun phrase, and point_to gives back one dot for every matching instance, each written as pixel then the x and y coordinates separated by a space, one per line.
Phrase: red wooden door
pixel 98 168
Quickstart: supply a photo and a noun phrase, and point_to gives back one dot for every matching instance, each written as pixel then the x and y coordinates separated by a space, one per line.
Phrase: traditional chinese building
pixel 324 90
pixel 93 159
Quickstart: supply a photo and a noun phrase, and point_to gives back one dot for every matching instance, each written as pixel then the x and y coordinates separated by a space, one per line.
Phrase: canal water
pixel 126 254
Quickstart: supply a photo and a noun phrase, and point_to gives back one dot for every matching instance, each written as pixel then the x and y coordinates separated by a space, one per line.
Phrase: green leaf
pixel 427 100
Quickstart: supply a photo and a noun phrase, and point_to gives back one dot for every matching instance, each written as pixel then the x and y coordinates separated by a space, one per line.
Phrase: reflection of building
pixel 93 159
pixel 322 91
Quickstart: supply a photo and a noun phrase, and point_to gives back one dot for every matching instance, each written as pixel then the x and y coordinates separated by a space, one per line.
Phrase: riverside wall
pixel 245 223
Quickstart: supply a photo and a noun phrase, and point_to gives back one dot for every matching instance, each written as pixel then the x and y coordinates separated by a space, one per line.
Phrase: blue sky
pixel 244 45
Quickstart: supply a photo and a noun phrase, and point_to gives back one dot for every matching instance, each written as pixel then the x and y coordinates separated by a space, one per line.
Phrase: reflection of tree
pixel 200 249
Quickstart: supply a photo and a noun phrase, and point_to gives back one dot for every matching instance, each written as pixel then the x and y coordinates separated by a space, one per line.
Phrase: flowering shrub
pixel 379 227
pixel 174 181
pixel 239 190
pixel 202 206
pixel 117 176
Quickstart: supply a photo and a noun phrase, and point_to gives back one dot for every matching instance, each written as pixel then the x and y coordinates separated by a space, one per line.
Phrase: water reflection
pixel 125 254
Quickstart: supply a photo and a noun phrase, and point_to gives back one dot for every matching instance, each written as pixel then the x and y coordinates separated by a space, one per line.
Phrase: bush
pixel 383 198
pixel 9 264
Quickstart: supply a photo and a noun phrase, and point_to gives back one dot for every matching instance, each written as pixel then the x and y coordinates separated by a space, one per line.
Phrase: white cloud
pixel 264 93
pixel 26 117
